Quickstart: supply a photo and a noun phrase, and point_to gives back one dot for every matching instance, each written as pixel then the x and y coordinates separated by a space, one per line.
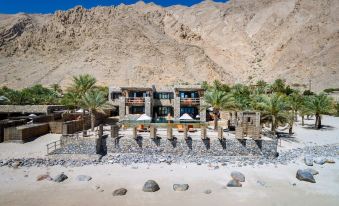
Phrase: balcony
pixel 135 100
pixel 189 101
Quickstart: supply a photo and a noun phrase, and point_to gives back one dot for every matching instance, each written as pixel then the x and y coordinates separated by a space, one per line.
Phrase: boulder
pixel 312 171
pixel 43 177
pixel 151 186
pixel 83 178
pixel 304 175
pixel 60 178
pixel 208 191
pixel 180 187
pixel 119 192
pixel 234 183
pixel 308 160
pixel 16 164
pixel 320 160
pixel 330 160
pixel 238 176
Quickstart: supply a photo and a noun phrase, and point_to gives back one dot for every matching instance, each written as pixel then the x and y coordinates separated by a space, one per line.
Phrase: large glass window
pixel 164 111
pixel 164 95
pixel 192 111
pixel 137 110
pixel 188 95
pixel 115 95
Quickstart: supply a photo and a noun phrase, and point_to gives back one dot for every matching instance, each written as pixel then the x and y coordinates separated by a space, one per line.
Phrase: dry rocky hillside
pixel 145 44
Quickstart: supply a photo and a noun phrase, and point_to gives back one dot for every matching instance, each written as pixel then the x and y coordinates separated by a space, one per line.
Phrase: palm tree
pixel 56 89
pixel 241 94
pixel 318 105
pixel 81 85
pixel 218 100
pixel 94 101
pixel 295 101
pixel 273 109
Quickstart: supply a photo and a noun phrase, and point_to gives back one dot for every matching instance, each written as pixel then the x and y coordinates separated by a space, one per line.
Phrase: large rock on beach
pixel 312 171
pixel 234 183
pixel 238 176
pixel 43 177
pixel 83 178
pixel 320 160
pixel 60 178
pixel 16 164
pixel 180 187
pixel 119 192
pixel 151 186
pixel 304 175
pixel 308 160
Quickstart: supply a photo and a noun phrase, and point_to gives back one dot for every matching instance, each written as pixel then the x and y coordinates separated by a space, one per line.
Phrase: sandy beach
pixel 271 184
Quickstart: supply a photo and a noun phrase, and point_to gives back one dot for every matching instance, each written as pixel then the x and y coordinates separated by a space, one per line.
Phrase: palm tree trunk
pixel 273 125
pixel 290 130
pixel 83 123
pixel 316 121
pixel 319 122
pixel 215 120
pixel 302 120
pixel 92 121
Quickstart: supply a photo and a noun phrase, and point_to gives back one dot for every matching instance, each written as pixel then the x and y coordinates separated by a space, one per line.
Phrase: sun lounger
pixel 141 128
pixel 191 128
pixel 180 128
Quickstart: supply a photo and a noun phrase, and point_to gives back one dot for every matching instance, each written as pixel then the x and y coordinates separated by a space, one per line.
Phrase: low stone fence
pixel 175 147
pixel 25 133
pixel 211 147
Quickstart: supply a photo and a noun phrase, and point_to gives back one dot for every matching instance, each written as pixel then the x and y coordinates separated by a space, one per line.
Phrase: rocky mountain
pixel 145 44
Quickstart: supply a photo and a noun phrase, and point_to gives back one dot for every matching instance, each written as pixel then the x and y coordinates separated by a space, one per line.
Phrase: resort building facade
pixel 159 103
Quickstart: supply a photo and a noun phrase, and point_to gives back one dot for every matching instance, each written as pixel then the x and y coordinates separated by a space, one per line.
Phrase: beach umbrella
pixel 185 117
pixel 144 117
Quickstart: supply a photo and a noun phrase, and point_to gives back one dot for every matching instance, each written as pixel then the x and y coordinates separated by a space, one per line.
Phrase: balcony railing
pixel 135 100
pixel 190 101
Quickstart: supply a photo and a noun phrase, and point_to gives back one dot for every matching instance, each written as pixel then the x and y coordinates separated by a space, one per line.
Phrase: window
pixel 192 111
pixel 164 95
pixel 137 110
pixel 115 95
pixel 164 111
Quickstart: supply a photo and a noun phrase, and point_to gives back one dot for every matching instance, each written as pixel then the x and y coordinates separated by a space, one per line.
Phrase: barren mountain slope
pixel 144 44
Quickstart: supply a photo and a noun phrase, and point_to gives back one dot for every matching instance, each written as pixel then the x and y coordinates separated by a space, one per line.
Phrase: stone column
pixel 169 132
pixel 114 131
pixel 220 133
pixel 148 106
pixel 122 107
pixel 176 109
pixel 153 132
pixel 134 132
pixel 202 113
pixel 203 132
pixel 185 131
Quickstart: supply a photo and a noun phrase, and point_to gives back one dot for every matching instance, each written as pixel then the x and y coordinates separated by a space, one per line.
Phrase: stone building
pixel 248 125
pixel 159 103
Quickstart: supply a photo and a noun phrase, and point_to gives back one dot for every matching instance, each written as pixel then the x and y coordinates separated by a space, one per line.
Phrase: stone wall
pixel 226 147
pixel 25 133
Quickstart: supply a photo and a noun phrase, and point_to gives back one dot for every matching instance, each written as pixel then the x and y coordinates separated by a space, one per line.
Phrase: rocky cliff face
pixel 144 44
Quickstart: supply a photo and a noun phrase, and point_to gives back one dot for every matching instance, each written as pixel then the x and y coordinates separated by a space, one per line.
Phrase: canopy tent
pixel 144 117
pixel 185 117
